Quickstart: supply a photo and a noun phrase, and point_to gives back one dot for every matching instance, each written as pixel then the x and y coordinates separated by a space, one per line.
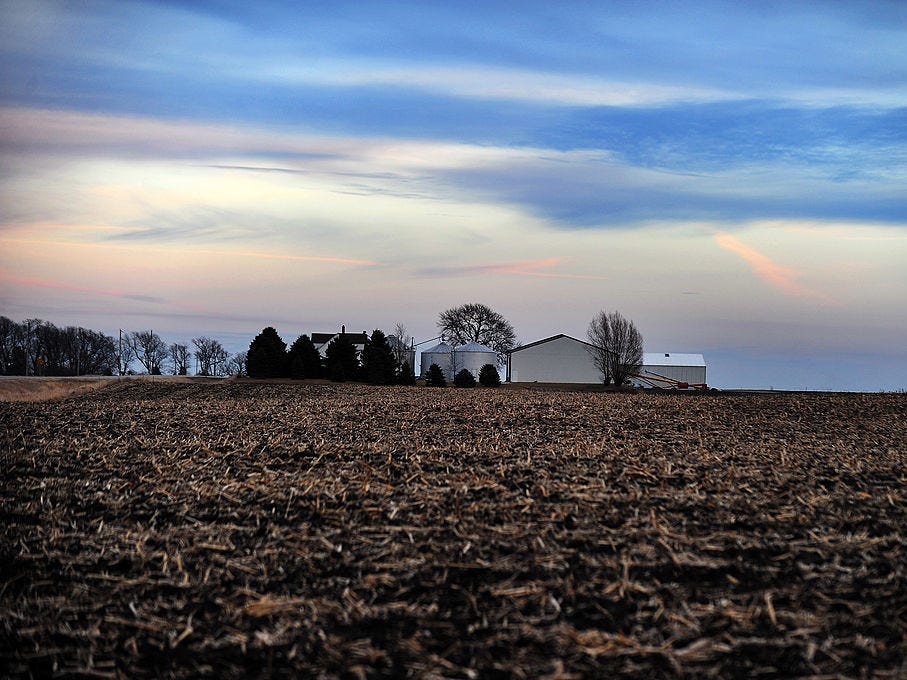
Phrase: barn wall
pixel 690 374
pixel 562 360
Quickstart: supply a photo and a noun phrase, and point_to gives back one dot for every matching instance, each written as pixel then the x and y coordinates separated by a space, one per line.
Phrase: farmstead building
pixel 688 368
pixel 558 359
pixel 564 359
pixel 471 356
pixel 322 340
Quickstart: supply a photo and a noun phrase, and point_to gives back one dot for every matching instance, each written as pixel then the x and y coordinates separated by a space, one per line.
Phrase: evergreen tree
pixel 378 360
pixel 297 370
pixel 464 378
pixel 305 361
pixel 267 356
pixel 405 376
pixel 489 376
pixel 336 372
pixel 436 377
pixel 342 362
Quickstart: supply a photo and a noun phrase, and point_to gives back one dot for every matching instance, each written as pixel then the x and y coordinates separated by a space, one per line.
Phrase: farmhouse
pixel 564 359
pixel 322 340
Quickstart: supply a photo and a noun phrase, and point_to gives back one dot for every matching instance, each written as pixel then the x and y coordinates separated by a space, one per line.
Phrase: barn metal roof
pixel 544 340
pixel 672 359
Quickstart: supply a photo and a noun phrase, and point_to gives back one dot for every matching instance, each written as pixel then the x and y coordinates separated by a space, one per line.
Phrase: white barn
pixel 564 359
pixel 558 359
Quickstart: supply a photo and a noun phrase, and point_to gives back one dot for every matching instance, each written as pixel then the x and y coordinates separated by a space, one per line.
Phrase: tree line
pixel 38 347
pixel 382 361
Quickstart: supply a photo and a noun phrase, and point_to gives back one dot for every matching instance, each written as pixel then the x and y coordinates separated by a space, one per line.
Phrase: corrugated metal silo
pixel 473 356
pixel 439 354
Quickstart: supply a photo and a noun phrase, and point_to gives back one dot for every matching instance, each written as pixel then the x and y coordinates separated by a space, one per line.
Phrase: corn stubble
pixel 251 529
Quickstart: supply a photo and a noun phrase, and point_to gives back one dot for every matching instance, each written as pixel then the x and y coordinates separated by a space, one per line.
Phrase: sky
pixel 732 177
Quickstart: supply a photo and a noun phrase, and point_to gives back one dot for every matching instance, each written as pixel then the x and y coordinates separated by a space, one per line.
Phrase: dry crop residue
pixel 254 529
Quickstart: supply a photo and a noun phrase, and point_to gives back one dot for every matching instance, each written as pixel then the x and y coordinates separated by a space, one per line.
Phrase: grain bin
pixel 439 354
pixel 472 357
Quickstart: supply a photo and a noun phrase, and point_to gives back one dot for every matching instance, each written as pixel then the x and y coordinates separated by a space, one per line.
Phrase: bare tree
pixel 96 353
pixel 400 343
pixel 10 341
pixel 125 354
pixel 179 358
pixel 617 346
pixel 149 349
pixel 211 356
pixel 237 364
pixel 475 322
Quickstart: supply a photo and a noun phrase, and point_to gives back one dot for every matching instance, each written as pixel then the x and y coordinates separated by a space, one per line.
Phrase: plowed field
pixel 249 529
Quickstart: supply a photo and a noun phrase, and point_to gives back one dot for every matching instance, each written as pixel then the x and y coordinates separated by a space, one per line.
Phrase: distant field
pixel 161 528
pixel 37 388
pixel 15 388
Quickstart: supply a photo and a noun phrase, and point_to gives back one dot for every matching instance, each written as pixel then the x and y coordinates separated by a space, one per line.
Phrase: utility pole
pixel 27 344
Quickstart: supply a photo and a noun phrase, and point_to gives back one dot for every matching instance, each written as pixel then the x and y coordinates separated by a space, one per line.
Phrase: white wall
pixel 690 374
pixel 563 360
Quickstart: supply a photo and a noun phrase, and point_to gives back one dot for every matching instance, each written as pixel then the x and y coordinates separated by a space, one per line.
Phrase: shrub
pixel 489 376
pixel 436 377
pixel 464 378
pixel 406 376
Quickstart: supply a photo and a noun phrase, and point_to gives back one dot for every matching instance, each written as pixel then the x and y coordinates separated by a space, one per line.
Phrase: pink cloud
pixel 777 275
pixel 59 285
pixel 201 251
pixel 276 256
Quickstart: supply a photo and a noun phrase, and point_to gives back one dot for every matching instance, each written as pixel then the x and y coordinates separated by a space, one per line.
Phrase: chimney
pixel 342 330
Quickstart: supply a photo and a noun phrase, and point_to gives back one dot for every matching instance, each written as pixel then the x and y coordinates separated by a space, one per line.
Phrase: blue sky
pixel 731 176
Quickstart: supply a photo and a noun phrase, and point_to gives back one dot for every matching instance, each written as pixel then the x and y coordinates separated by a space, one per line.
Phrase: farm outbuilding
pixel 439 354
pixel 564 359
pixel 558 359
pixel 688 368
pixel 471 356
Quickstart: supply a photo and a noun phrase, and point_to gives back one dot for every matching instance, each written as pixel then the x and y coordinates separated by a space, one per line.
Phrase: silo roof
pixel 437 349
pixel 475 347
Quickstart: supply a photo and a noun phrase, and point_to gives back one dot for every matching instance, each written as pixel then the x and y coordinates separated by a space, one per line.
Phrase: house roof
pixel 324 338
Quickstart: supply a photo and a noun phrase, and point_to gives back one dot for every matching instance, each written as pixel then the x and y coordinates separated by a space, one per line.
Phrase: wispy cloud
pixel 777 275
pixel 198 251
pixel 518 268
pixel 60 285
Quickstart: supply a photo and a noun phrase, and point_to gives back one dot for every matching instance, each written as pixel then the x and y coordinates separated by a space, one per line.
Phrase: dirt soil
pixel 157 529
